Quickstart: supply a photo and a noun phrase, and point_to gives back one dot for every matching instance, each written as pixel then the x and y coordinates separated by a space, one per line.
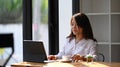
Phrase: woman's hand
pixel 52 57
pixel 77 57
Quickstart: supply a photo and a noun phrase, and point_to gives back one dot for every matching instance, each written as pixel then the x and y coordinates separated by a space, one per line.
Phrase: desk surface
pixel 78 64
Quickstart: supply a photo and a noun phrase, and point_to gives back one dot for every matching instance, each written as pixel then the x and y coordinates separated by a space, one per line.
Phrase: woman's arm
pixel 93 50
pixel 61 53
pixel 58 56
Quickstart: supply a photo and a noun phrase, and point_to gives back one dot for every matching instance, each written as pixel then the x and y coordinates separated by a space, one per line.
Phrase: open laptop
pixel 33 51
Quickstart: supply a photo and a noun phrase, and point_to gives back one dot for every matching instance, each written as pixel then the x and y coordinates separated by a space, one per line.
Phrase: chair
pixel 7 41
pixel 101 57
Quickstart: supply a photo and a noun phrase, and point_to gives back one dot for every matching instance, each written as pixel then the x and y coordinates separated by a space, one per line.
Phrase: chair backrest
pixel 101 57
pixel 7 41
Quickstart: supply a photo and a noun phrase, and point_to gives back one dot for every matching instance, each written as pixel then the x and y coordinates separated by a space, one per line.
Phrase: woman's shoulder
pixel 66 40
pixel 91 42
pixel 69 39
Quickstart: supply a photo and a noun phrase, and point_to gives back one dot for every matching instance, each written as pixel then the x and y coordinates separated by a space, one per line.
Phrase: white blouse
pixel 83 47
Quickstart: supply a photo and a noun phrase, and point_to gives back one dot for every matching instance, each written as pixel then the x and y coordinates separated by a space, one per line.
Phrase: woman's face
pixel 75 29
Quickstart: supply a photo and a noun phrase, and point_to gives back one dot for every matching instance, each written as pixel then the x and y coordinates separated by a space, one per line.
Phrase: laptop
pixel 33 51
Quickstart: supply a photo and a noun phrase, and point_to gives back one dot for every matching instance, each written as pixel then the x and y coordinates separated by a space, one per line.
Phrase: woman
pixel 80 42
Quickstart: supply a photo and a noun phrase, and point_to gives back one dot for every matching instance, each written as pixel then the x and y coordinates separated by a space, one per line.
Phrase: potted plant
pixel 89 58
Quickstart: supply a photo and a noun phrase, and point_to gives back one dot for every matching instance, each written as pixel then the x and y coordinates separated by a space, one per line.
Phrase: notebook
pixel 33 51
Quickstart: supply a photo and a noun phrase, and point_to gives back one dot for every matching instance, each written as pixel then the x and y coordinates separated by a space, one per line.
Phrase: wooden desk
pixel 78 64
pixel 28 64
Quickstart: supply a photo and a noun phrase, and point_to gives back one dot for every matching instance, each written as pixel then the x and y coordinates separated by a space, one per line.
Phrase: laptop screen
pixel 33 51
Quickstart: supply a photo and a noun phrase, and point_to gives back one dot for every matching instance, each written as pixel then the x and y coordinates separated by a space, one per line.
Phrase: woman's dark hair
pixel 84 23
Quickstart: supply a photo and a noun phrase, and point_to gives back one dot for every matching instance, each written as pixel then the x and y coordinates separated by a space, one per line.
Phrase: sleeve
pixel 62 51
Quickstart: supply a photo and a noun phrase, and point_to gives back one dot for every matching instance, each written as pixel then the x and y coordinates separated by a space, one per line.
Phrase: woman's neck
pixel 78 38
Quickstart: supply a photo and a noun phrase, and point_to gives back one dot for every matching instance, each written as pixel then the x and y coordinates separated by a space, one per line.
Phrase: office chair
pixel 7 41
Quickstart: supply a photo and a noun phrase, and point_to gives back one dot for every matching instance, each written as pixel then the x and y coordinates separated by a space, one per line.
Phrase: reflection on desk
pixel 78 64
pixel 28 64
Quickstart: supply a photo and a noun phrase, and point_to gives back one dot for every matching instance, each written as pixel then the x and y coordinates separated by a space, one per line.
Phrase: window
pixel 40 21
pixel 11 22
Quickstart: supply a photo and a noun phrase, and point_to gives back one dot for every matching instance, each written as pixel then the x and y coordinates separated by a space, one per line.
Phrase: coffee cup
pixel 66 58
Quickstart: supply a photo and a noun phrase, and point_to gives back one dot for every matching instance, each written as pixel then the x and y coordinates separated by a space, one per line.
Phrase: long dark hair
pixel 84 23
